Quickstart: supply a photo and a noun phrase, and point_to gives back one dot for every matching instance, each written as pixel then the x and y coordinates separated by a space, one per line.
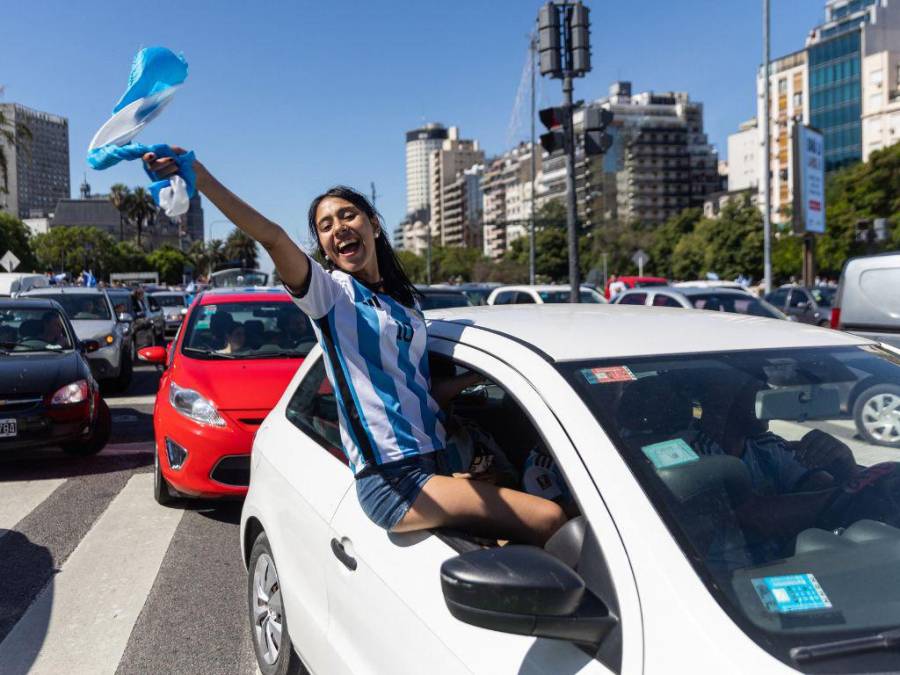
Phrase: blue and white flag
pixel 88 278
pixel 155 75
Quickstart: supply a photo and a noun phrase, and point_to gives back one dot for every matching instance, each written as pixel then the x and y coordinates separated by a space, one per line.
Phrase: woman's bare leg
pixel 483 508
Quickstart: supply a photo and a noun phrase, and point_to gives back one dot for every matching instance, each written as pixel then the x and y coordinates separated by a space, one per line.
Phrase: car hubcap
pixel 881 417
pixel 268 618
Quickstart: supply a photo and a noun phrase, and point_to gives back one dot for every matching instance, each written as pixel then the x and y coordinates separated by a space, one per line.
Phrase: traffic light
pixel 555 121
pixel 548 31
pixel 596 140
pixel 580 25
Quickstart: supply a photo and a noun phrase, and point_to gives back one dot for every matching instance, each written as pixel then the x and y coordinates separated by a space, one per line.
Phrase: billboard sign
pixel 809 180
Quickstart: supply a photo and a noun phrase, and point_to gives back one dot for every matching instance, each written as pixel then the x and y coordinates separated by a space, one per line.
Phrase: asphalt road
pixel 95 577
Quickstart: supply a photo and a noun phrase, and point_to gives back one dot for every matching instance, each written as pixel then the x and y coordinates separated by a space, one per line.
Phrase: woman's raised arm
pixel 290 262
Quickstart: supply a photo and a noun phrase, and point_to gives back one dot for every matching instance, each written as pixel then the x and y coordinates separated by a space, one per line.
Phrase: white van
pixel 12 284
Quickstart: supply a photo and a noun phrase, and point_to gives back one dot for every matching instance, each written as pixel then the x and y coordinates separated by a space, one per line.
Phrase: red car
pixel 227 367
pixel 637 282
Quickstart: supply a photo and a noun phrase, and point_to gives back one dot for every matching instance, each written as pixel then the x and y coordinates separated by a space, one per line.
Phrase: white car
pixel 540 295
pixel 657 574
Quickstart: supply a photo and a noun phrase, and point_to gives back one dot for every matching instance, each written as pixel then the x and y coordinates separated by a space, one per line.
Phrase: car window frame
pixel 629 294
pixel 310 431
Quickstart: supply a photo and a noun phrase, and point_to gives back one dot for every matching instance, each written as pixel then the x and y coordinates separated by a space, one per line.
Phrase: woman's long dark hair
pixel 396 283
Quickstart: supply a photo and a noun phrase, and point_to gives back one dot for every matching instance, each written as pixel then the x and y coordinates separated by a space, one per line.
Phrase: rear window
pixel 737 304
pixel 552 297
pixel 84 307
pixel 443 300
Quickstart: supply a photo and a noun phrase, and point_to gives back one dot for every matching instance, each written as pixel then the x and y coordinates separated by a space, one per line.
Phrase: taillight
pixel 835 317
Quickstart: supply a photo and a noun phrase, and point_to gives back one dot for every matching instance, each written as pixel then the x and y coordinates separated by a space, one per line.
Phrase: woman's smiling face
pixel 347 236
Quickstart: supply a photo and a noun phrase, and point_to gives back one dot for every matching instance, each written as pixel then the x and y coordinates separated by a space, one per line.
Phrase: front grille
pixel 19 403
pixel 232 470
pixel 252 421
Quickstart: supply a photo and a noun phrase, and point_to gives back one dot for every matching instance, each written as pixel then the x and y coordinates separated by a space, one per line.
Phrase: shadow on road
pixel 42 464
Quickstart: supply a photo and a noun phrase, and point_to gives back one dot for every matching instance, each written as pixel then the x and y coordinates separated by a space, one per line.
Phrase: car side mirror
pixel 803 305
pixel 125 317
pixel 526 591
pixel 90 345
pixel 155 355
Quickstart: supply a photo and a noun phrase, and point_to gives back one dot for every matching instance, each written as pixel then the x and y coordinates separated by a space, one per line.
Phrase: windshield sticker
pixel 668 454
pixel 607 375
pixel 791 593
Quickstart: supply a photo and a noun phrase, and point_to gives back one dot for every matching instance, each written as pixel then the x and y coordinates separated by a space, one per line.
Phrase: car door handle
pixel 341 554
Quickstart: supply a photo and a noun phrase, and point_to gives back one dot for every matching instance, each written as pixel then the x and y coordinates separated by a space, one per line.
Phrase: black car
pixel 48 396
pixel 132 311
pixel 807 305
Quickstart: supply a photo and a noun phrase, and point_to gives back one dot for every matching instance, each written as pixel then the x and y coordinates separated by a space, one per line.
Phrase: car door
pixel 397 576
pixel 310 477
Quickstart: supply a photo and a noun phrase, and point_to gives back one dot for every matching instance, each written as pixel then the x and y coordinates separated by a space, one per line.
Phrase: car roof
pixel 691 290
pixel 154 293
pixel 436 290
pixel 540 287
pixel 27 303
pixel 64 290
pixel 618 331
pixel 248 294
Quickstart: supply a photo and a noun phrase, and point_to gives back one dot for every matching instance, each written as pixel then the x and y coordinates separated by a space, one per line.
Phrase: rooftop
pixel 577 332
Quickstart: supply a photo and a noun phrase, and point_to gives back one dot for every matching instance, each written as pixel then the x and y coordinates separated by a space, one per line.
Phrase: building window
pixel 782 86
pixel 875 78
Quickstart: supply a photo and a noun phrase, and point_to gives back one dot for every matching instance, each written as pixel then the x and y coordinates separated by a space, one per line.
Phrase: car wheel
pixel 99 436
pixel 877 415
pixel 268 624
pixel 161 492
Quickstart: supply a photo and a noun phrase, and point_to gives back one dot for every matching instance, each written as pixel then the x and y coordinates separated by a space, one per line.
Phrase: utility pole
pixel 531 255
pixel 374 194
pixel 767 161
pixel 564 37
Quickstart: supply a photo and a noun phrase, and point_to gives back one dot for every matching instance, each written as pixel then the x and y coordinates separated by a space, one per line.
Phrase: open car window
pixel 775 472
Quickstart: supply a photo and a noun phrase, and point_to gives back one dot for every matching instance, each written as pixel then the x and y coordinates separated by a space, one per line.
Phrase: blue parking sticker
pixel 667 454
pixel 791 593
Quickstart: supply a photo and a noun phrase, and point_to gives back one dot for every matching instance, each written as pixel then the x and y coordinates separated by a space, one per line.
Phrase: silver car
pixel 91 313
pixel 715 299
pixel 174 306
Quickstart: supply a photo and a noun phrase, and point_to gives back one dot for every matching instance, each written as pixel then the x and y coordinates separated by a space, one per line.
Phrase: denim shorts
pixel 387 492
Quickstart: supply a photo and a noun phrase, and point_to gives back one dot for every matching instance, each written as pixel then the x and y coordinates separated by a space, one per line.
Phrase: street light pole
pixel 767 161
pixel 531 256
pixel 571 225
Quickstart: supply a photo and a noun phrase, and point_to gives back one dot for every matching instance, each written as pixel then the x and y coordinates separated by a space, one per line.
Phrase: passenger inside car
pixel 235 339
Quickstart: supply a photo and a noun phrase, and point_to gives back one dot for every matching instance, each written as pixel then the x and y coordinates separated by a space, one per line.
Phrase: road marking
pixel 19 499
pixel 80 623
pixel 118 401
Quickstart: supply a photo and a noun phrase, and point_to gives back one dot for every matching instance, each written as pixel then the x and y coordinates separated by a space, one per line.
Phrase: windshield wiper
pixel 290 353
pixel 210 352
pixel 885 640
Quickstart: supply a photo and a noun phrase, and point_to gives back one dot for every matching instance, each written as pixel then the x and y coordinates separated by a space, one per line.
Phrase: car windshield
pixel 238 278
pixel 169 300
pixel 33 330
pixel 775 472
pixel 824 297
pixel 244 330
pixel 736 303
pixel 553 297
pixel 477 296
pixel 84 307
pixel 433 300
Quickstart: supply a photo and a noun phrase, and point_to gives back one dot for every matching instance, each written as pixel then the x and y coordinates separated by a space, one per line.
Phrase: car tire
pixel 97 439
pixel 877 415
pixel 162 493
pixel 266 614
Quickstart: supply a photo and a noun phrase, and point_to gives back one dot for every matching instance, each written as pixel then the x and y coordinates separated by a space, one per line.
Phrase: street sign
pixel 640 258
pixel 9 261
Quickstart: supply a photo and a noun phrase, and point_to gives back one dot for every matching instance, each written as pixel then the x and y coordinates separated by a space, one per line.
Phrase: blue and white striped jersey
pixel 377 362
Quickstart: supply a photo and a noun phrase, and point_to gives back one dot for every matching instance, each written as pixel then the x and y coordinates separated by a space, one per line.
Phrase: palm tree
pixel 215 254
pixel 142 210
pixel 11 135
pixel 120 196
pixel 241 246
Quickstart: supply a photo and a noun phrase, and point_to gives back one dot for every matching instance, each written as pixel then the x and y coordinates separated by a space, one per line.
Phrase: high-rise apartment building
pixel 660 161
pixel 37 167
pixel 506 186
pixel 744 157
pixel 445 165
pixel 420 143
pixel 843 83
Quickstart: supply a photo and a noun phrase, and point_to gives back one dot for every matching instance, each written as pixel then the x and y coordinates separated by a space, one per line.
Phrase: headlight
pixel 77 392
pixel 192 405
pixel 183 311
pixel 106 340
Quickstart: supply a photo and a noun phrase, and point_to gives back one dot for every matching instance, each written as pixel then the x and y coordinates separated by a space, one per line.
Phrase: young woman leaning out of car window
pixel 365 313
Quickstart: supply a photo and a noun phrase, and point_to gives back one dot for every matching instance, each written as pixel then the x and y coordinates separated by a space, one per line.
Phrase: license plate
pixel 8 428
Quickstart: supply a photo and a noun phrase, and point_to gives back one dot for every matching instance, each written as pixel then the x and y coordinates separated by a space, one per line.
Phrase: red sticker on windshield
pixel 607 375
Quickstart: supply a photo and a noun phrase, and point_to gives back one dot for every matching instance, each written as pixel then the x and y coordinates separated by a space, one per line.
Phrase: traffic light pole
pixel 571 224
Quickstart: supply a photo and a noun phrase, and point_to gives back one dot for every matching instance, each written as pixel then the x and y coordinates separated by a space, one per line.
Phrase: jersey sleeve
pixel 319 294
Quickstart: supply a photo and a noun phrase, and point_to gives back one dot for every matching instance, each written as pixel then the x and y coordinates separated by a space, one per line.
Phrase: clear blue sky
pixel 285 98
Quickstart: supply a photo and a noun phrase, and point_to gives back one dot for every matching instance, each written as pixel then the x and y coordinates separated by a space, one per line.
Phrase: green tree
pixel 76 248
pixel 169 262
pixel 453 263
pixel 666 238
pixel 413 265
pixel 16 237
pixel 142 211
pixel 551 253
pixel 120 196
pixel 241 246
pixel 129 258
